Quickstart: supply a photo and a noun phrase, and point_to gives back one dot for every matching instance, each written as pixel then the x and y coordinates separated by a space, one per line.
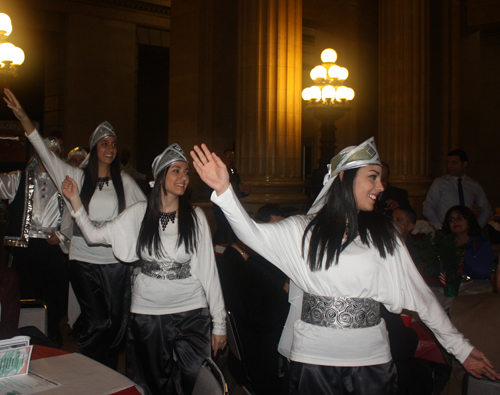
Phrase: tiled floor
pixel 70 344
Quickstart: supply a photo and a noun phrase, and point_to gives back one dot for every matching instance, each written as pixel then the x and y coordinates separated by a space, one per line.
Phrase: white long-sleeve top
pixel 159 296
pixel 102 207
pixel 360 273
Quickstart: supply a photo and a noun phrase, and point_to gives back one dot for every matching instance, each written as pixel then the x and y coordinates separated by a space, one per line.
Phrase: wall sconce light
pixel 10 55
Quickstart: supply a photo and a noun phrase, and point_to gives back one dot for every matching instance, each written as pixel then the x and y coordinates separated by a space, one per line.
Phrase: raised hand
pixel 18 111
pixel 70 190
pixel 211 169
pixel 478 365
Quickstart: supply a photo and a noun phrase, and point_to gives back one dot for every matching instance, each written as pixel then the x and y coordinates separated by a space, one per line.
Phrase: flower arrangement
pixel 444 258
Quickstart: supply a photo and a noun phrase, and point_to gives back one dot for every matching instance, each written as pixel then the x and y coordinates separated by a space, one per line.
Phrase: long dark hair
pixel 91 173
pixel 474 228
pixel 149 236
pixel 339 217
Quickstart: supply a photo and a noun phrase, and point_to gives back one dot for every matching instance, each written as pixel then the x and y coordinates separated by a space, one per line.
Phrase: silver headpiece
pixel 77 151
pixel 52 142
pixel 103 130
pixel 172 154
pixel 352 157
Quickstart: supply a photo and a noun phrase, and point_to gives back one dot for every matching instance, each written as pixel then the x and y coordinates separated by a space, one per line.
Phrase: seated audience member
pixel 259 304
pixel 270 213
pixel 405 219
pixel 455 188
pixel 479 258
pixel 392 197
pixel 256 293
pixel 10 302
pixel 223 233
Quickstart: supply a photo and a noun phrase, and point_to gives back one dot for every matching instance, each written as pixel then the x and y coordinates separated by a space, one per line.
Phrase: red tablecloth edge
pixel 46 352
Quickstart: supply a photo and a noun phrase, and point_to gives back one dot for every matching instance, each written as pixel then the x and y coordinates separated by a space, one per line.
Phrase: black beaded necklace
pixel 165 218
pixel 101 181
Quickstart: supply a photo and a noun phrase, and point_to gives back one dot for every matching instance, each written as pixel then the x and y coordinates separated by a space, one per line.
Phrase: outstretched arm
pixel 18 111
pixel 71 192
pixel 211 169
pixel 478 365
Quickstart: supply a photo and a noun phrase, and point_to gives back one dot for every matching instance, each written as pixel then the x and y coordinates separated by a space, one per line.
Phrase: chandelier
pixel 329 79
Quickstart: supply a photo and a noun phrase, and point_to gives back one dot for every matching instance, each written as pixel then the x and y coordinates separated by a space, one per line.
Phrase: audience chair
pixel 33 313
pixel 473 386
pixel 236 350
pixel 210 380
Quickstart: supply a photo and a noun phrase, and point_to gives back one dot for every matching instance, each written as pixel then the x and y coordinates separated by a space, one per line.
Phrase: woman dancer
pixel 178 287
pixel 479 259
pixel 101 283
pixel 345 260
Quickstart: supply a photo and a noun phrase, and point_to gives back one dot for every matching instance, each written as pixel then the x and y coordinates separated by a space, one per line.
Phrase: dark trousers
pixel 103 292
pixel 43 275
pixel 309 379
pixel 155 341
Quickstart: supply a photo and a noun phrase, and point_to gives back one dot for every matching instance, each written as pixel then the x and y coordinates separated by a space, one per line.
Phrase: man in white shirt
pixel 453 189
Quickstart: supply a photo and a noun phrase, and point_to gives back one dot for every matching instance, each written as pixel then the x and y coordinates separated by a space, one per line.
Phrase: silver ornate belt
pixel 168 270
pixel 340 313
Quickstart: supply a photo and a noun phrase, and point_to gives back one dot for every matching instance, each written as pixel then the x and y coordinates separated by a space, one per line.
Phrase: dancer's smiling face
pixel 177 178
pixel 367 186
pixel 106 150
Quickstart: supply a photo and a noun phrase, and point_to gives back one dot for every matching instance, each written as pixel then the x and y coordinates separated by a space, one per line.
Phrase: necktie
pixel 461 192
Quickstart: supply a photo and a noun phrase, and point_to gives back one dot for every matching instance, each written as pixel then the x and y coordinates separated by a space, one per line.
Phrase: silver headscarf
pixel 52 142
pixel 173 153
pixel 104 129
pixel 352 157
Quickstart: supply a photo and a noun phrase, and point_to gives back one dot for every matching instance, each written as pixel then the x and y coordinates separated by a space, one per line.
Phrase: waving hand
pixel 18 111
pixel 211 169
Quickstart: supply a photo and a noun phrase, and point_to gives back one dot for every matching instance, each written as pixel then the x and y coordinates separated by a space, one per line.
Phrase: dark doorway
pixel 152 103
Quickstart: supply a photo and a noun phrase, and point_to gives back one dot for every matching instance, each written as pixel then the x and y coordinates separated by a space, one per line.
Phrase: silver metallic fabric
pixel 173 153
pixel 166 270
pixel 76 151
pixel 43 206
pixel 23 238
pixel 352 157
pixel 340 313
pixel 103 130
pixel 365 154
pixel 52 142
pixel 47 209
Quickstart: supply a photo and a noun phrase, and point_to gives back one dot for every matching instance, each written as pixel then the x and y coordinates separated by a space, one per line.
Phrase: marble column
pixel 268 137
pixel 403 131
